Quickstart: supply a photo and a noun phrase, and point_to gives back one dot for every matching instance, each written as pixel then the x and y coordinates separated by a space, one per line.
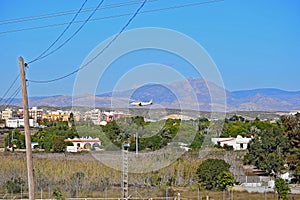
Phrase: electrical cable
pixel 12 97
pixel 90 61
pixel 113 16
pixel 63 13
pixel 86 64
pixel 9 88
pixel 55 41
pixel 73 35
pixel 136 13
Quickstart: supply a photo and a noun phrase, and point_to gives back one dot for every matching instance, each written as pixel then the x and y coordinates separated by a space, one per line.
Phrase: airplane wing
pixel 141 103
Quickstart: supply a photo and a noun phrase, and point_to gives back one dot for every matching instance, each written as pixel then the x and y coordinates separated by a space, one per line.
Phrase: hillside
pixel 175 96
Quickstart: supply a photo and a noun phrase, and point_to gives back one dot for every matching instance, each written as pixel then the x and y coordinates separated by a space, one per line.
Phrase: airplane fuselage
pixel 141 103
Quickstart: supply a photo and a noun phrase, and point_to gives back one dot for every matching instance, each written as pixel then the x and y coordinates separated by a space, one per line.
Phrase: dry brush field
pixel 81 175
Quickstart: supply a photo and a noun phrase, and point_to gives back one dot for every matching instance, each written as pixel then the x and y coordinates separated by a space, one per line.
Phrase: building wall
pixel 36 113
pixel 8 113
pixel 56 117
pixel 16 122
pixel 83 143
pixel 238 143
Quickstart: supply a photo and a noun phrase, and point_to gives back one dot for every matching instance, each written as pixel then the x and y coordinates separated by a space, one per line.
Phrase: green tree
pixel 291 125
pixel 225 179
pixel 114 133
pixel 46 142
pixel 282 188
pixel 267 150
pixel 15 137
pixel 58 144
pixel 263 125
pixel 209 171
pixel 58 195
pixel 197 142
pixel 235 128
pixel 138 120
pixel 52 137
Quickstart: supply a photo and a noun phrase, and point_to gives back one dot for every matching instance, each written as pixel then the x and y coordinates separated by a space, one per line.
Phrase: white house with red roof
pixel 238 143
pixel 82 143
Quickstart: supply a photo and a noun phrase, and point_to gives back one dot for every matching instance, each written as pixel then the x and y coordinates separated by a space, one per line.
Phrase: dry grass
pixel 56 171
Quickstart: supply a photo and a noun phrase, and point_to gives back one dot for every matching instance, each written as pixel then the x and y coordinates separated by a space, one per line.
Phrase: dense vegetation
pixel 275 148
pixel 15 139
pixel 151 135
pixel 274 145
pixel 214 174
pixel 282 188
pixel 52 137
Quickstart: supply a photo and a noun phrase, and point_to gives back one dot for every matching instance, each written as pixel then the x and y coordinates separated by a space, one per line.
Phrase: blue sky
pixel 255 44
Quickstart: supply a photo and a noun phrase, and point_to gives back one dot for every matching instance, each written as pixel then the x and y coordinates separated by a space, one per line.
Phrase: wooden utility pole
pixel 27 130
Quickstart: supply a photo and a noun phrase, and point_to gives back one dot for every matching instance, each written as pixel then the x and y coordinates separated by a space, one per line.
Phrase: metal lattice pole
pixel 125 171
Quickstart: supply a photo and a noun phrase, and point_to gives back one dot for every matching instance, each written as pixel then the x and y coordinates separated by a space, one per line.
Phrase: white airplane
pixel 141 103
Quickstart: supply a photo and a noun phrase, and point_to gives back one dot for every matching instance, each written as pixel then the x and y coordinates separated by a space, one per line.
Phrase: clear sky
pixel 254 43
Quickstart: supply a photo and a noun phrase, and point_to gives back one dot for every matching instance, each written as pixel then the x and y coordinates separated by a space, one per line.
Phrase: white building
pixel 16 122
pixel 238 143
pixel 12 123
pixel 294 112
pixel 83 143
pixel 36 113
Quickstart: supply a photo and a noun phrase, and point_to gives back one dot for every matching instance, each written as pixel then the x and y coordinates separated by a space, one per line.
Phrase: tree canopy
pixel 282 188
pixel 53 137
pixel 214 174
pixel 16 138
pixel 267 150
pixel 291 126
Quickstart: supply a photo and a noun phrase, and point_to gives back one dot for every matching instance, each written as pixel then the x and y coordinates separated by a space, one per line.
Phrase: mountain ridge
pixel 174 95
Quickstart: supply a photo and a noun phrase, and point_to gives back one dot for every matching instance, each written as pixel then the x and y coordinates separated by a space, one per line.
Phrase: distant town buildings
pixel 58 115
pixel 178 116
pixel 16 122
pixel 8 113
pixel 14 118
pixel 36 114
pixel 99 117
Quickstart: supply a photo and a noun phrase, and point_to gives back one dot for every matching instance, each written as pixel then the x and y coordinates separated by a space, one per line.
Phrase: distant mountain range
pixel 175 95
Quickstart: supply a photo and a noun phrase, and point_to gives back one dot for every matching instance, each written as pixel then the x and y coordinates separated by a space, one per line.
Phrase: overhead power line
pixel 101 52
pixel 9 101
pixel 9 88
pixel 43 55
pixel 113 16
pixel 62 33
pixel 69 12
pixel 124 27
